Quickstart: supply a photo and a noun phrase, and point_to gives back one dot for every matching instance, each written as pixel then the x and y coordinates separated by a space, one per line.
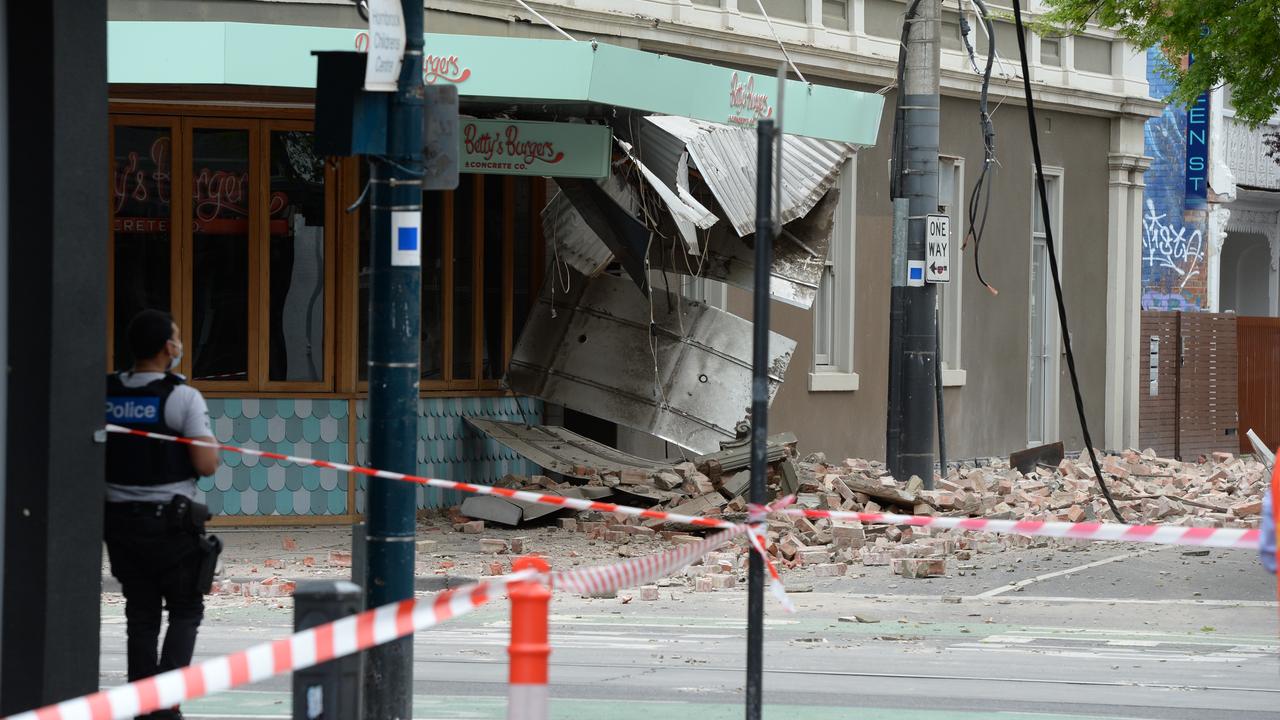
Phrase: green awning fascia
pixel 229 53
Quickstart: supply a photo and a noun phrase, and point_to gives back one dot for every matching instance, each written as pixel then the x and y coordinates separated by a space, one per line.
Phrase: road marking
pixel 1060 573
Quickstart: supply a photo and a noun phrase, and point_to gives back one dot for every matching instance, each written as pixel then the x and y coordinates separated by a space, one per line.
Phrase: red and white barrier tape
pixel 523 495
pixel 1159 534
pixel 354 634
pixel 296 652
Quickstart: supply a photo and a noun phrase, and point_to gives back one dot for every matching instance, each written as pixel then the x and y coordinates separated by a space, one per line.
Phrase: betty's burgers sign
pixel 520 147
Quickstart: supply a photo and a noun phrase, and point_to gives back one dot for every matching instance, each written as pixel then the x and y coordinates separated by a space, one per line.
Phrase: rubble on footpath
pixel 1219 491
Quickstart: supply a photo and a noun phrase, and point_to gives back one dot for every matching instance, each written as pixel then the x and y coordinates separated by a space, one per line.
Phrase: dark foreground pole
pixel 394 322
pixel 759 407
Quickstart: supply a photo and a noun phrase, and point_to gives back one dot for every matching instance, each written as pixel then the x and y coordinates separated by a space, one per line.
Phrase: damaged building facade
pixel 605 286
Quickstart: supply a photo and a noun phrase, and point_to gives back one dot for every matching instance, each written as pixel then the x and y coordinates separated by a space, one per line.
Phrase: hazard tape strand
pixel 354 634
pixel 1244 538
pixel 298 651
pixel 1160 534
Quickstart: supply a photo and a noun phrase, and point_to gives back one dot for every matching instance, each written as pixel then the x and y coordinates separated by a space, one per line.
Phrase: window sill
pixel 833 382
pixel 953 378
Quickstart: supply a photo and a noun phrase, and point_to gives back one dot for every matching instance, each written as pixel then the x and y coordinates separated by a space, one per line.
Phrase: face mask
pixel 176 360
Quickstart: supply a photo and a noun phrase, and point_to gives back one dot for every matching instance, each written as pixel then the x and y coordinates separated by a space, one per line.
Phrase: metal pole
pixel 920 185
pixel 394 322
pixel 759 407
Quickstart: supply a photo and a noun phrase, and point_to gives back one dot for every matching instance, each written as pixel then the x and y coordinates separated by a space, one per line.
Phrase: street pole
pixel 920 187
pixel 759 407
pixel 394 322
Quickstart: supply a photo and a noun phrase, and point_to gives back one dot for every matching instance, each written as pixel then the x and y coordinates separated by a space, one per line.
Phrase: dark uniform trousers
pixel 158 567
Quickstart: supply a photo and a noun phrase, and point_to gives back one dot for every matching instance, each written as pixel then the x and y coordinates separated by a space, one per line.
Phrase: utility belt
pixel 184 516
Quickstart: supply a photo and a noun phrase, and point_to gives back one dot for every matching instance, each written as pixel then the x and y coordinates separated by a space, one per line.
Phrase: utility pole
pixel 913 403
pixel 765 137
pixel 394 329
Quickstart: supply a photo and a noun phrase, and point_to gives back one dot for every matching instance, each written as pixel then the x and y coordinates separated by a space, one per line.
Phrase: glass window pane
pixel 141 188
pixel 433 339
pixel 464 291
pixel 495 226
pixel 793 10
pixel 1093 54
pixel 824 308
pixel 1050 52
pixel 296 209
pixel 220 265
pixel 522 292
pixel 835 14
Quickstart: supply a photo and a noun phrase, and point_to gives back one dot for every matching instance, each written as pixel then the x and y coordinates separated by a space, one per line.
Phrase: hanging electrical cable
pixel 980 198
pixel 1053 260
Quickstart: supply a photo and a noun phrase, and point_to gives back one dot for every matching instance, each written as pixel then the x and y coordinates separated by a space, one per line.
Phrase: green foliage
pixel 1235 42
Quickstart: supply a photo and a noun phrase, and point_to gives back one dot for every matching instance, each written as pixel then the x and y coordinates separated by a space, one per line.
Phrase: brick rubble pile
pixel 1219 491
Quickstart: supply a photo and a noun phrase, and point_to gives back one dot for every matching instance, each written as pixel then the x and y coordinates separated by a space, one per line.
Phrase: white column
pixel 1124 280
pixel 1274 238
pixel 1215 235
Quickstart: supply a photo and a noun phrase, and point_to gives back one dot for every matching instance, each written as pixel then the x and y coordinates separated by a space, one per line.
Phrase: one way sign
pixel 937 244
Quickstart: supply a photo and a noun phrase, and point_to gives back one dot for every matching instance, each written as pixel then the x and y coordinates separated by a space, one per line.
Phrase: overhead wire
pixel 1053 260
pixel 980 199
pixel 769 21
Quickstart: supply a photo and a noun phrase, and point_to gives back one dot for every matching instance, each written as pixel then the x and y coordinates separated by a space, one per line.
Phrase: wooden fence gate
pixel 1189 405
pixel 1258 342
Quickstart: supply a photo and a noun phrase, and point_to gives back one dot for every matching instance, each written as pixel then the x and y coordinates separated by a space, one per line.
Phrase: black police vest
pixel 133 460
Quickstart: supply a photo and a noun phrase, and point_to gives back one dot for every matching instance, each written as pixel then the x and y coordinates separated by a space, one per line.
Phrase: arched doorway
pixel 1247 287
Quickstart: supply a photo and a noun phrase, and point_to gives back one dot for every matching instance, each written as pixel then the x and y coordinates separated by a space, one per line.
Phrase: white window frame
pixel 1053 365
pixel 836 373
pixel 951 295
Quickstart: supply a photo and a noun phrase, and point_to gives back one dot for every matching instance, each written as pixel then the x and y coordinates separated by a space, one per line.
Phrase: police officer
pixel 154 529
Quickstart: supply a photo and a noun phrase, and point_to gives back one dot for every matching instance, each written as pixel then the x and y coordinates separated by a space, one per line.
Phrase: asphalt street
pixel 1104 631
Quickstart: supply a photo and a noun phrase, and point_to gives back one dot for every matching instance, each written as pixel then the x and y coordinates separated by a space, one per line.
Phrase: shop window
pixel 481 268
pixel 220 200
pixel 141 229
pixel 296 222
pixel 243 261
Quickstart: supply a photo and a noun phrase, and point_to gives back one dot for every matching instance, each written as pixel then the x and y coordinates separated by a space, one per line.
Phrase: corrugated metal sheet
pixel 797 263
pixel 726 158
pixel 574 242
pixel 589 349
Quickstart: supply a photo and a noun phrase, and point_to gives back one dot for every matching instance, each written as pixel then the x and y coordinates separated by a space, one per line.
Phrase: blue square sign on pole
pixel 915 273
pixel 406 229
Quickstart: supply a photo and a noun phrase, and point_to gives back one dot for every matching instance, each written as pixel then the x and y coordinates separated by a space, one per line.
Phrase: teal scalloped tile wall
pixel 246 485
pixel 449 448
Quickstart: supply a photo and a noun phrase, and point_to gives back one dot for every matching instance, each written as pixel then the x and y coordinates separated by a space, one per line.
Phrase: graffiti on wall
pixel 1174 251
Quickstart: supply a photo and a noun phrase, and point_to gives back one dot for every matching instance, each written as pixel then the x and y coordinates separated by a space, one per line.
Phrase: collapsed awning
pixel 589 347
pixel 652 205
pixel 725 156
